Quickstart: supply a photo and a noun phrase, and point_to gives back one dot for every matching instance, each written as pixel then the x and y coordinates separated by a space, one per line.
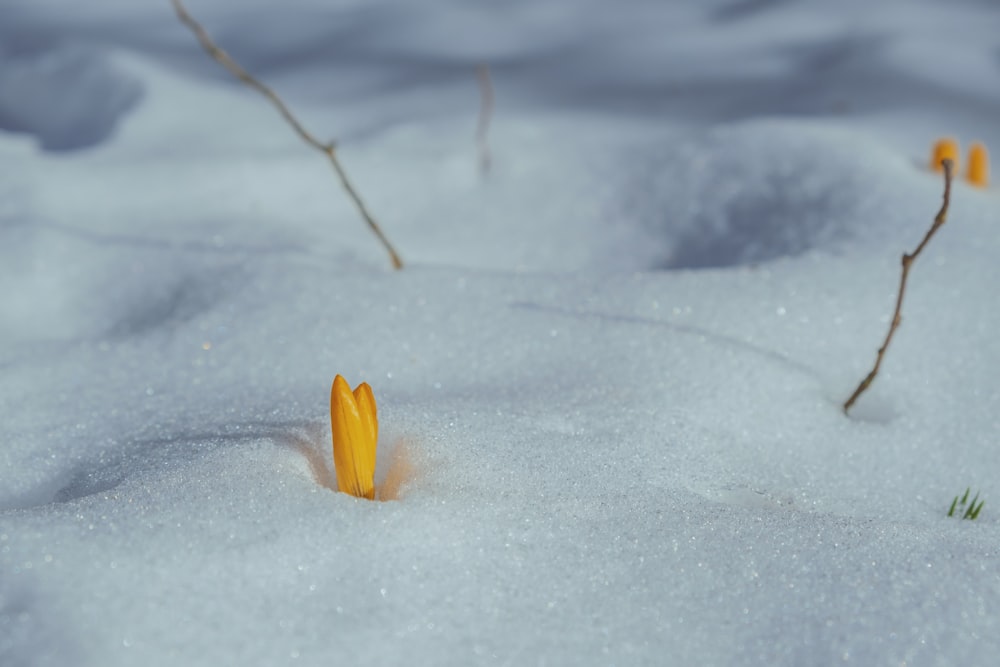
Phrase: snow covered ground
pixel 611 370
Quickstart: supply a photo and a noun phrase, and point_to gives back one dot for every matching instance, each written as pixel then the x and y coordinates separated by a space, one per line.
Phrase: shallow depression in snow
pixel 759 191
pixel 66 96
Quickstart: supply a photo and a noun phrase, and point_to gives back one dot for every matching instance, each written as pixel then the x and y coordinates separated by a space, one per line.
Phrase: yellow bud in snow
pixel 354 423
pixel 978 173
pixel 944 149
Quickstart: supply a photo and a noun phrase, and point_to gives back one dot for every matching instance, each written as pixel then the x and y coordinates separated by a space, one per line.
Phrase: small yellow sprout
pixel 944 149
pixel 355 437
pixel 978 173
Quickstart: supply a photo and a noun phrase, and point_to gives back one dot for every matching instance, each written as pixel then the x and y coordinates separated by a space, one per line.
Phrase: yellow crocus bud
pixel 944 149
pixel 978 173
pixel 354 423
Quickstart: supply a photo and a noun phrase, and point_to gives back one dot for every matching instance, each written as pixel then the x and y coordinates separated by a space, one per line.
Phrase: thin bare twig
pixel 485 114
pixel 908 259
pixel 329 149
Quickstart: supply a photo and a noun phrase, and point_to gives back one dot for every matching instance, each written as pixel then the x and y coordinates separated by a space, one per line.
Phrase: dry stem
pixel 328 149
pixel 897 318
pixel 485 114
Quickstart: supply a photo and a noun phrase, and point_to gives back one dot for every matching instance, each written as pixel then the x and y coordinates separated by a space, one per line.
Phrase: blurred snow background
pixel 615 362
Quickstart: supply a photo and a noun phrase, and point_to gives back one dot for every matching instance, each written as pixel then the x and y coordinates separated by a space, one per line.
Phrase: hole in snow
pixel 67 97
pixel 395 470
pixel 751 193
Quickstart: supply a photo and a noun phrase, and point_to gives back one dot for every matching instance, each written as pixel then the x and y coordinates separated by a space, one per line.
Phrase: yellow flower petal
pixel 946 148
pixel 366 406
pixel 978 173
pixel 355 438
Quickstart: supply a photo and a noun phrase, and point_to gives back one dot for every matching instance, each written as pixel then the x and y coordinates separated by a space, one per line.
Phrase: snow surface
pixel 610 374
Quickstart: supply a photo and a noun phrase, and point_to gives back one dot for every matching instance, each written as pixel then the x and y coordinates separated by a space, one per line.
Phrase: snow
pixel 610 374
